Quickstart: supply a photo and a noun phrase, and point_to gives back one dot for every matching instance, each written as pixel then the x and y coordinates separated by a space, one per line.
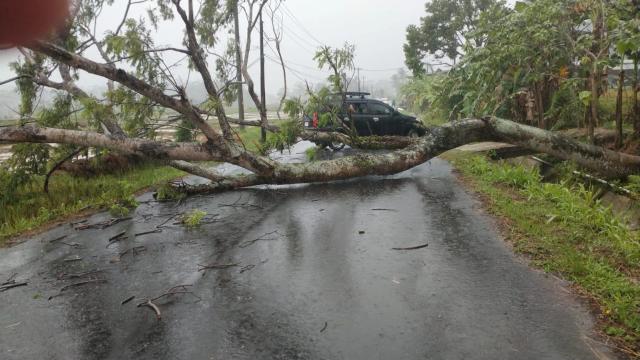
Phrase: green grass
pixel 69 195
pixel 311 153
pixel 566 231
pixel 250 136
pixel 193 218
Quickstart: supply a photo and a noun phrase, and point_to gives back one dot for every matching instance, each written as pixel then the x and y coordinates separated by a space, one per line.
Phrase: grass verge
pixel 566 231
pixel 70 195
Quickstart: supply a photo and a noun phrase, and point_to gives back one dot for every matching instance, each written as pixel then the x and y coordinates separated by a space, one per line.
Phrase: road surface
pixel 316 278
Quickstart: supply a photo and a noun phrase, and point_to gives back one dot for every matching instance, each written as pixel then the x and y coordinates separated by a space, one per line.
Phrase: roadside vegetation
pixel 29 207
pixel 25 207
pixel 553 64
pixel 565 230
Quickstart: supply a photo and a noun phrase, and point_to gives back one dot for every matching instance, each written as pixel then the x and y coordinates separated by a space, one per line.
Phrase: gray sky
pixel 375 27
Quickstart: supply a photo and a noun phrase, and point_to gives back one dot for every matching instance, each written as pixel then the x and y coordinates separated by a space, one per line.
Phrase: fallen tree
pixel 439 140
pixel 143 82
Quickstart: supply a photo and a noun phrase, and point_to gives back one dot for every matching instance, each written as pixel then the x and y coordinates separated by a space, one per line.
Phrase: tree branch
pixel 15 78
pixel 130 81
pixel 196 54
pixel 146 148
pixel 244 68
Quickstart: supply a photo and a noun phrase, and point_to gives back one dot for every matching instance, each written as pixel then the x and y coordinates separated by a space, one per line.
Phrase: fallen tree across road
pixel 437 141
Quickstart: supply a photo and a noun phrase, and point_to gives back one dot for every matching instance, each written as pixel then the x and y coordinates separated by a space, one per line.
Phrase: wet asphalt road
pixel 308 285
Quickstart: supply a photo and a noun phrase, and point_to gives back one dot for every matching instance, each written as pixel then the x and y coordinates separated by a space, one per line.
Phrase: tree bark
pixel 609 163
pixel 247 50
pixel 196 55
pixel 236 22
pixel 593 119
pixel 619 107
pixel 636 105
pixel 540 104
pixel 146 148
pixel 229 150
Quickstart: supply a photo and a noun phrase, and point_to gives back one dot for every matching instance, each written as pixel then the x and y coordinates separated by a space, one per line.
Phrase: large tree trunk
pixel 438 140
pixel 607 163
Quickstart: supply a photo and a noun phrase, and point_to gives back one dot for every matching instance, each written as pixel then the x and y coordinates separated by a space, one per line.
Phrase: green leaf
pixel 585 97
pixel 520 6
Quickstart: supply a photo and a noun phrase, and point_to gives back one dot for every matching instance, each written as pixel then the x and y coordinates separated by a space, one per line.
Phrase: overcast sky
pixel 375 27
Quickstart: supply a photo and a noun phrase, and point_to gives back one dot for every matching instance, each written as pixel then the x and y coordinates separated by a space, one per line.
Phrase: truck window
pixel 360 108
pixel 379 109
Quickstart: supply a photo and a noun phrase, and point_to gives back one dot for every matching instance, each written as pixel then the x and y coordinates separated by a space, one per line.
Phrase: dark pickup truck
pixel 371 117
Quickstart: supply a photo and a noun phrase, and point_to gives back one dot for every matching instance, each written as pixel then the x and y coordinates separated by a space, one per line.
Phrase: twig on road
pixel 116 238
pixel 263 237
pixel 65 276
pixel 153 307
pixel 67 287
pixel 204 268
pixel 176 290
pixel 127 300
pixel 12 285
pixel 246 268
pixel 10 280
pixel 102 225
pixel 411 248
pixel 216 267
pixel 134 251
pixel 324 327
pixel 73 245
pixel 237 204
pixel 57 239
pixel 156 231
pixel 93 281
pixel 166 221
pixel 77 258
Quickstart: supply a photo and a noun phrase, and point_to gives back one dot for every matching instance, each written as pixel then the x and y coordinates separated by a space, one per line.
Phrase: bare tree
pixel 277 28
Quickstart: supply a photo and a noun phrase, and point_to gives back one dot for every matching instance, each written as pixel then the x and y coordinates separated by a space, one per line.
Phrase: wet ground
pixel 315 276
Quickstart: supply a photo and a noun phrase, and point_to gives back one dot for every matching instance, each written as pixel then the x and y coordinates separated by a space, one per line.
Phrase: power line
pixel 299 24
pixel 276 60
pixel 298 39
pixel 292 72
pixel 295 72
pixel 324 72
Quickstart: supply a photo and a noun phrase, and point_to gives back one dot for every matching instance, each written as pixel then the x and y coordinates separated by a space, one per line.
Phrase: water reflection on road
pixel 316 278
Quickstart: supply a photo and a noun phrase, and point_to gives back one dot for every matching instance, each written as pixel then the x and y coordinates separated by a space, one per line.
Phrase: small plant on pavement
pixel 193 218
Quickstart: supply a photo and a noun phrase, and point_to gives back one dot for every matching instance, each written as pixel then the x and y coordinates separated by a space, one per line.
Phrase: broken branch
pixel 411 248
pixel 153 307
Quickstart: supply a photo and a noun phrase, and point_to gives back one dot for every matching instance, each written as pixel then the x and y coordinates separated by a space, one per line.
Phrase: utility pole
pixel 239 67
pixel 263 93
pixel 359 90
